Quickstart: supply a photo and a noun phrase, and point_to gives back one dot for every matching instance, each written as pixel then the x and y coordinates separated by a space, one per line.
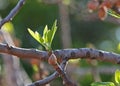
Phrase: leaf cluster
pixel 47 38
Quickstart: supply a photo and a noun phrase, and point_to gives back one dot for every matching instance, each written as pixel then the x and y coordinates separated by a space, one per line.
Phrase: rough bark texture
pixel 82 53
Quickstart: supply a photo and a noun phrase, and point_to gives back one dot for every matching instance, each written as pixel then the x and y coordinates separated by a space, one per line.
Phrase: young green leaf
pixel 113 13
pixel 103 84
pixel 117 76
pixel 36 36
pixel 45 34
pixel 47 37
pixel 52 32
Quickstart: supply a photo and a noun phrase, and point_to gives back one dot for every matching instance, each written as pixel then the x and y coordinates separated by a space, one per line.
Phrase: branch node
pixel 101 54
pixel 72 54
pixel 87 54
pixel 8 46
pixel 52 60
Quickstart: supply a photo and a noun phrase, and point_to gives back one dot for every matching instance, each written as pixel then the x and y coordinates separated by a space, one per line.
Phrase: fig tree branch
pixel 80 53
pixel 12 13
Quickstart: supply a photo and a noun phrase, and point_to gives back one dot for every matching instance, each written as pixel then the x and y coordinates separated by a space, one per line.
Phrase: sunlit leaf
pixel 45 32
pixel 39 37
pixel 103 84
pixel 8 27
pixel 36 36
pixel 113 13
pixel 35 67
pixel 47 37
pixel 31 33
pixel 117 76
pixel 67 2
pixel 74 61
pixel 52 32
pixel 118 47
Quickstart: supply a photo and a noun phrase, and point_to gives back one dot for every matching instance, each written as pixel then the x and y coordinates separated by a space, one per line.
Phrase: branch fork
pixel 53 61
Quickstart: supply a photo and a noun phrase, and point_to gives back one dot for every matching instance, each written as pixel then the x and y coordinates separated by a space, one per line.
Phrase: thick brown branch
pixel 14 11
pixel 23 53
pixel 83 53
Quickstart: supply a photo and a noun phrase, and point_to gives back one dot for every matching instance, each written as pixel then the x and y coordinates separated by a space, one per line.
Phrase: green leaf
pixel 36 36
pixel 35 68
pixel 45 30
pixel 103 84
pixel 113 13
pixel 8 27
pixel 45 34
pixel 47 37
pixel 52 32
pixel 117 76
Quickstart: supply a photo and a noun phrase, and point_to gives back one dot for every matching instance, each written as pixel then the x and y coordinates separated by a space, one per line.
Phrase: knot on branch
pixel 8 47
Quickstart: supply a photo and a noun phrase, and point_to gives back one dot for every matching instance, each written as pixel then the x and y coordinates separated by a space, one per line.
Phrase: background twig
pixel 14 11
pixel 14 72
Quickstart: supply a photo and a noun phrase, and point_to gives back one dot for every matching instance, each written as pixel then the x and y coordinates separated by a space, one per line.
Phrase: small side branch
pixel 13 12
pixel 50 78
pixel 53 61
pixel 64 76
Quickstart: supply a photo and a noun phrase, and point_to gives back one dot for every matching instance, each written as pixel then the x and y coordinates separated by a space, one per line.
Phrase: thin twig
pixel 13 12
pixel 50 78
pixel 64 76
pixel 53 61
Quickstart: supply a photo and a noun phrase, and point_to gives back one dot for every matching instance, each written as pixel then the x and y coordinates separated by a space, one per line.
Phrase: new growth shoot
pixel 47 38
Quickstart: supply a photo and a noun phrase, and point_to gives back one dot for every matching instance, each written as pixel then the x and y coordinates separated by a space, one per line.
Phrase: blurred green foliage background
pixel 85 31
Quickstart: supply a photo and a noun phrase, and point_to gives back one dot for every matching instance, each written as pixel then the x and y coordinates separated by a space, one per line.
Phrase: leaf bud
pixel 52 59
